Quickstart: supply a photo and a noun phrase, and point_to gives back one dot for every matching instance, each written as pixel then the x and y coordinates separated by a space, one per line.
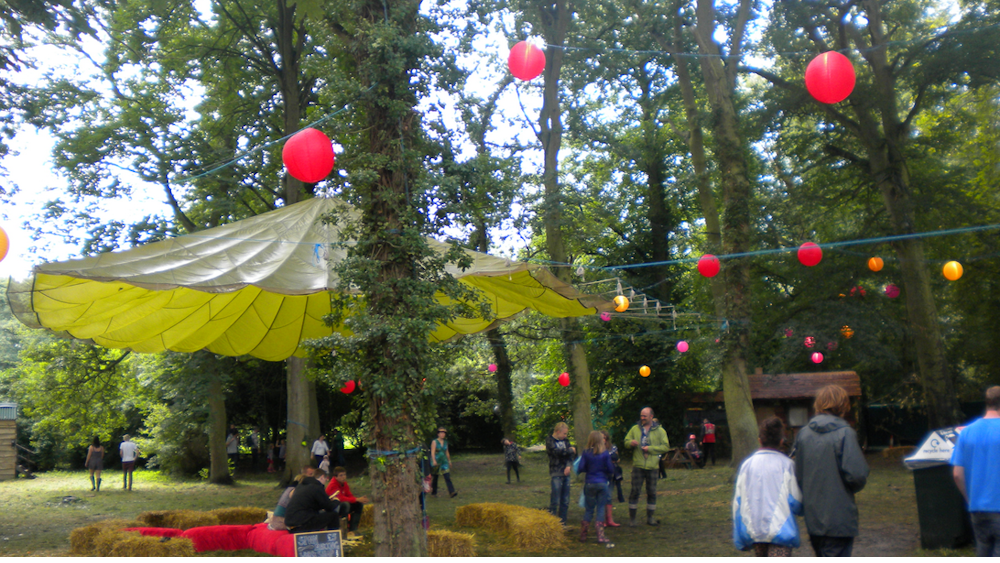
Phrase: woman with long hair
pixel 95 463
pixel 616 479
pixel 596 463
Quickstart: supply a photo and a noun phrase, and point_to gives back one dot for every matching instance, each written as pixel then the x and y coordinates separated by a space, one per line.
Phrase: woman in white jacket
pixel 767 497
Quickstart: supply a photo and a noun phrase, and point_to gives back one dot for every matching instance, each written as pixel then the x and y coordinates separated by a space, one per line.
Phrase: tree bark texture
pixel 218 471
pixel 505 392
pixel 720 84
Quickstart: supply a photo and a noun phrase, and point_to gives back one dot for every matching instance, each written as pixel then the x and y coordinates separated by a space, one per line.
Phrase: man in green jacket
pixel 648 441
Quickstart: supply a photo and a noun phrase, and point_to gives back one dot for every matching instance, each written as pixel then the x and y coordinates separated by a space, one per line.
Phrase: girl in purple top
pixel 596 463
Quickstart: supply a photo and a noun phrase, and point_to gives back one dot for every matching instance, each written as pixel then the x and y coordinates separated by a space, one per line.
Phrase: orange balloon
pixel 621 303
pixel 875 264
pixel 952 270
pixel 644 371
pixel 4 244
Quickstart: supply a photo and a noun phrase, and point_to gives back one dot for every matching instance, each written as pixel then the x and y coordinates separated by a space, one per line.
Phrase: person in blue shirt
pixel 976 467
pixel 596 463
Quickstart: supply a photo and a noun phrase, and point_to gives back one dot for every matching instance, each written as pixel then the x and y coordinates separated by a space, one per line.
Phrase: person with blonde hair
pixel 561 454
pixel 596 463
pixel 830 469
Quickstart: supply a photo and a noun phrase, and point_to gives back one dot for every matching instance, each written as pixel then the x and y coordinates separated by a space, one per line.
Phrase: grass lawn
pixel 694 507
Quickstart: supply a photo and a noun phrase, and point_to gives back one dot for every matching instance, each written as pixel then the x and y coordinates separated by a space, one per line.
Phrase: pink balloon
pixel 809 342
pixel 817 357
pixel 492 367
pixel 682 346
pixel 892 291
pixel 605 316
pixel 810 254
pixel 830 77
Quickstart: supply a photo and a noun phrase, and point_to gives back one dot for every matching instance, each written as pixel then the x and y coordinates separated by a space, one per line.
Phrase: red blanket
pixel 230 538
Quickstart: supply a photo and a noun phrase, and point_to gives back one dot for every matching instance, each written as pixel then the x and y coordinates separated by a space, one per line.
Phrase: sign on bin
pixel 935 450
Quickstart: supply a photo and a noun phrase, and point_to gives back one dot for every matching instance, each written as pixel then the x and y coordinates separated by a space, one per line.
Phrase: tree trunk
pixel 300 406
pixel 505 393
pixel 720 84
pixel 218 471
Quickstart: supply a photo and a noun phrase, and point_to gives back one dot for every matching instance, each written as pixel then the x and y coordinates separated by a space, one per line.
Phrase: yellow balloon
pixel 644 371
pixel 621 303
pixel 952 270
pixel 875 264
pixel 4 244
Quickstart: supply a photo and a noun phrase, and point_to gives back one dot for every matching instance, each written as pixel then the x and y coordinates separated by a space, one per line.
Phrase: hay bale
pixel 442 543
pixel 240 515
pixel 367 516
pixel 133 544
pixel 81 540
pixel 183 519
pixel 526 528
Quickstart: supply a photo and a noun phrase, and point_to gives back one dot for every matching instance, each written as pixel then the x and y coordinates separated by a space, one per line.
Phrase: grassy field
pixel 694 507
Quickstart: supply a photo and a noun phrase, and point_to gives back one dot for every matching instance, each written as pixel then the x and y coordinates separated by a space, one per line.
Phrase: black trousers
pixel 354 516
pixel 319 522
pixel 708 449
pixel 829 546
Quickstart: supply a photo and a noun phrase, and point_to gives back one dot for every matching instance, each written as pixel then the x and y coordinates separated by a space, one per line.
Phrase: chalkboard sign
pixel 318 544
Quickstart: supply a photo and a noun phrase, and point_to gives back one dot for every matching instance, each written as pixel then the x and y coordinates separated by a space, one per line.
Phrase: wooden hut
pixel 8 440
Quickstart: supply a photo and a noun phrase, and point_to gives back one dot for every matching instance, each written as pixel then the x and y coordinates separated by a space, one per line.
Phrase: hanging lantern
pixel 892 291
pixel 4 244
pixel 682 346
pixel 830 77
pixel 644 371
pixel 809 342
pixel 621 303
pixel 492 368
pixel 847 331
pixel 875 264
pixel 308 155
pixel 858 290
pixel 348 387
pixel 810 254
pixel 817 357
pixel 564 379
pixel 789 332
pixel 708 266
pixel 526 60
pixel 952 270
pixel 605 316
pixel 831 346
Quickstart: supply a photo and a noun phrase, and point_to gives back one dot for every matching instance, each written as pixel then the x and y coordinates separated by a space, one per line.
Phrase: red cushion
pixel 280 543
pixel 215 538
pixel 158 532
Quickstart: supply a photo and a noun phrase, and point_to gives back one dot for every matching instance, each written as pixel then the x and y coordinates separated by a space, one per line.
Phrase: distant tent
pixel 260 286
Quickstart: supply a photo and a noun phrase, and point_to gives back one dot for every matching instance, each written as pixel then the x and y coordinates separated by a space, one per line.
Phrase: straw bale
pixel 526 528
pixel 81 540
pixel 154 518
pixel 133 544
pixel 443 543
pixel 240 515
pixel 367 516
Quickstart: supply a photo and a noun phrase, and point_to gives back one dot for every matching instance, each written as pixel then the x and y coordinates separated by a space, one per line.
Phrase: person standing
pixel 233 447
pixel 441 463
pixel 337 441
pixel 830 469
pixel 767 497
pixel 254 448
pixel 708 440
pixel 596 463
pixel 281 455
pixel 129 453
pixel 561 455
pixel 976 467
pixel 95 463
pixel 616 477
pixel 320 449
pixel 511 458
pixel 648 440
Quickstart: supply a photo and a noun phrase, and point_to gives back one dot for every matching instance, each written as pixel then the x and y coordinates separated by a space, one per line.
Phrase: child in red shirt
pixel 338 489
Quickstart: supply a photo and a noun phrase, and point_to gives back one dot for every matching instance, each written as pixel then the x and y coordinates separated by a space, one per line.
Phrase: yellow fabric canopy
pixel 260 286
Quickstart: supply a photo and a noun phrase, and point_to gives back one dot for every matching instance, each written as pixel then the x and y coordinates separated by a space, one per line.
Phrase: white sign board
pixel 935 449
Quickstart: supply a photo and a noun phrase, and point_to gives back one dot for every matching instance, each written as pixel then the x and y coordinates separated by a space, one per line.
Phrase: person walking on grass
pixel 596 463
pixel 830 469
pixel 648 441
pixel 511 458
pixel 616 479
pixel 976 467
pixel 441 463
pixel 767 497
pixel 95 463
pixel 129 453
pixel 561 454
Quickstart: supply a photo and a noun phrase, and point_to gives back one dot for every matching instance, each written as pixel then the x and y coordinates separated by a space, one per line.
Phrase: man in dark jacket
pixel 310 510
pixel 830 468
pixel 561 454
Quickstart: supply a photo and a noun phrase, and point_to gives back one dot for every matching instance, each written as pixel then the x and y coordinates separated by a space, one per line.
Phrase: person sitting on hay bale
pixel 338 489
pixel 310 509
pixel 692 449
pixel 277 522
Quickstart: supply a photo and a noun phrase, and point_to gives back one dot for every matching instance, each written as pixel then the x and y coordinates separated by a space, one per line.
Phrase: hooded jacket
pixel 658 445
pixel 830 468
pixel 308 500
pixel 766 501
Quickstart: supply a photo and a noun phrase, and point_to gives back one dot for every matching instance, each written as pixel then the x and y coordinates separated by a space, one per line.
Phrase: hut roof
pixel 771 386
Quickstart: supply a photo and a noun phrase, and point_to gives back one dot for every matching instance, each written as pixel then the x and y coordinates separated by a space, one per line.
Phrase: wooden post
pixel 8 437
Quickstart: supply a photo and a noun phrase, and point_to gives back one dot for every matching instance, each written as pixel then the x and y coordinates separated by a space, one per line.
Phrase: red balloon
pixel 810 254
pixel 708 265
pixel 526 61
pixel 817 357
pixel 308 155
pixel 564 379
pixel 348 387
pixel 830 77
